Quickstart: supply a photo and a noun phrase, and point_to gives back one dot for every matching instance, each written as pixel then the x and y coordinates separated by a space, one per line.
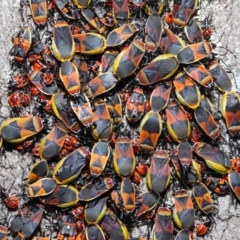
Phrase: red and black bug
pixel 21 44
pixel 158 175
pixel 219 186
pixel 19 81
pixel 203 227
pixel 26 221
pixel 9 199
pixel 17 100
pixel 207 29
pixel 121 11
pixel 163 223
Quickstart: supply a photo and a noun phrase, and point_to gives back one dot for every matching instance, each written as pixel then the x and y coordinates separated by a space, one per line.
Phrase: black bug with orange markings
pixel 67 231
pixel 107 60
pixel 178 124
pixel 158 175
pixel 135 105
pixel 207 30
pixel 69 76
pixel 95 210
pixel 89 43
pixel 153 6
pixel 52 144
pixel 21 44
pixel 124 161
pixel 93 190
pixel 234 182
pixel 128 195
pixel 96 231
pixel 184 11
pixel 39 11
pixel 66 8
pixel 163 228
pixel 183 212
pixel 121 34
pixel 217 185
pixel 16 130
pixel 121 11
pixel 113 226
pixel 100 155
pixel 127 61
pixel 203 198
pixel 115 196
pixel 45 102
pixel 114 105
pixel 191 174
pixel 82 67
pixel 150 131
pixel 36 78
pixel 230 104
pixel 62 174
pixel 95 68
pixel 146 202
pixel 27 220
pixel 221 78
pixel 42 187
pixel 42 53
pixel 186 90
pixel 103 126
pixel 82 108
pixel 47 77
pixel 63 44
pixel 193 32
pixel 160 97
pixel 161 68
pixel 185 155
pixel 38 170
pixel 171 43
pixel 89 15
pixel 214 157
pixel 62 110
pixel 194 52
pixel 153 32
pixel 63 196
pixel 100 84
pixel 207 123
pixel 199 74
pixel 104 15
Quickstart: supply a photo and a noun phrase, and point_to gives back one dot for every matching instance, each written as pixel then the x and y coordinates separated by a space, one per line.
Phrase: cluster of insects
pixel 119 116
